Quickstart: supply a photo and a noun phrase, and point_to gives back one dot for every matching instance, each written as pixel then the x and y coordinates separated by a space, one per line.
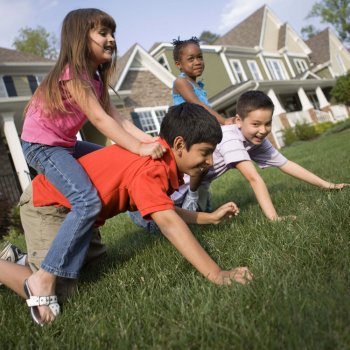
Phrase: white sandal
pixel 34 301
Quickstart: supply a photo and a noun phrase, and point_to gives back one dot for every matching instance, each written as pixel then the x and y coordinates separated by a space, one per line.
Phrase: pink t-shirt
pixel 59 129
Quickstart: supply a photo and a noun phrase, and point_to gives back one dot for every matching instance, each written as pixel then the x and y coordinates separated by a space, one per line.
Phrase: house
pixel 263 53
pixel 141 91
pixel 20 74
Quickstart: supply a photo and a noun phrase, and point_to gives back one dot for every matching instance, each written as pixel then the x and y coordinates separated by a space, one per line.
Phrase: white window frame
pixel 277 69
pixel 152 128
pixel 3 90
pixel 301 65
pixel 238 70
pixel 255 70
pixel 165 64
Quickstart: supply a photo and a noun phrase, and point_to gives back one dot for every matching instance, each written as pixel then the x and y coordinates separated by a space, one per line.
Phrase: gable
pixel 139 59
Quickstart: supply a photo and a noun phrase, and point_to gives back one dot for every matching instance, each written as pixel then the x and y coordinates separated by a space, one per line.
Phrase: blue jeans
pixel 67 252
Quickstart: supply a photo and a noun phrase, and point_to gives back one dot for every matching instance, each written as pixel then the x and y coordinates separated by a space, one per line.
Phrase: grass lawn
pixel 144 295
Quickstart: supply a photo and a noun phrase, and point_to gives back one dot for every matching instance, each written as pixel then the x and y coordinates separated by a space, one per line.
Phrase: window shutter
pixel 136 119
pixel 10 86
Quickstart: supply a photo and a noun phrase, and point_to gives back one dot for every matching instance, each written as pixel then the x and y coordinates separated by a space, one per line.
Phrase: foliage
pixel 9 219
pixel 341 90
pixel 320 128
pixel 36 41
pixel 305 131
pixel 289 136
pixel 340 126
pixel 309 31
pixel 146 296
pixel 208 37
pixel 335 13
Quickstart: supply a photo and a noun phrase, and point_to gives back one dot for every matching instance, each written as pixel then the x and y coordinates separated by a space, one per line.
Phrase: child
pixel 188 58
pixel 126 181
pixel 74 91
pixel 246 141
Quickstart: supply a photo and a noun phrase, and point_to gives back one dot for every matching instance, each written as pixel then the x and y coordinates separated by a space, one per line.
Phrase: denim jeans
pixel 67 252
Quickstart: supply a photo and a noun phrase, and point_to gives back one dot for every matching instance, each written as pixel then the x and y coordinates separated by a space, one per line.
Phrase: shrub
pixel 9 219
pixel 322 127
pixel 289 136
pixel 338 127
pixel 305 131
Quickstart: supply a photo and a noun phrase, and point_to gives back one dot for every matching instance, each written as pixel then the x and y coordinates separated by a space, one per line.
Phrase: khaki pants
pixel 41 225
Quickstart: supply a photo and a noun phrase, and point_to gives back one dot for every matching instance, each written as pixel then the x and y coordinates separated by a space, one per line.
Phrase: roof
pixel 121 63
pixel 320 47
pixel 14 56
pixel 247 33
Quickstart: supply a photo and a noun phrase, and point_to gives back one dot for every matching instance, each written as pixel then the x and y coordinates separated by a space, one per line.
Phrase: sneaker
pixel 11 253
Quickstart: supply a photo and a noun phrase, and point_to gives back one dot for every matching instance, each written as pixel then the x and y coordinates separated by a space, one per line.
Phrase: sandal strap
pixel 38 301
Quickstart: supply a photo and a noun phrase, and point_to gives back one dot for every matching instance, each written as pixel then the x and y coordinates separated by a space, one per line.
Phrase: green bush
pixel 289 136
pixel 338 127
pixel 322 127
pixel 305 131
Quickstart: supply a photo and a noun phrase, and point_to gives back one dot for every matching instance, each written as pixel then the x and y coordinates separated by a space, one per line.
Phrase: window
pixel 276 68
pixel 300 65
pixel 238 71
pixel 149 119
pixel 163 61
pixel 254 69
pixel 10 86
pixel 33 83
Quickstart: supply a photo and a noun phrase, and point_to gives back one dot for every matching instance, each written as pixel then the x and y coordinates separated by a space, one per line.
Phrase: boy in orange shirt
pixel 126 181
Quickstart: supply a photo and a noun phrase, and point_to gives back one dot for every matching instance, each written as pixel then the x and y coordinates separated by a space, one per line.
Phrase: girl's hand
pixel 240 275
pixel 227 210
pixel 154 149
pixel 337 186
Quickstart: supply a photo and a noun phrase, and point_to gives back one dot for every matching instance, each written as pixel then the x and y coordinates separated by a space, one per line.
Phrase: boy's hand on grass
pixel 337 186
pixel 285 218
pixel 153 149
pixel 226 211
pixel 240 275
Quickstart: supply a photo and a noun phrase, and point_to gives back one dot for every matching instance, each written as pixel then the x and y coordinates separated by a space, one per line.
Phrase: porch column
pixel 15 148
pixel 279 120
pixel 306 105
pixel 325 106
pixel 279 111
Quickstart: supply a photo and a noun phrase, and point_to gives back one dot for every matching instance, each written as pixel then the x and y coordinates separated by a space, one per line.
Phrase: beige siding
pixel 293 45
pixel 270 40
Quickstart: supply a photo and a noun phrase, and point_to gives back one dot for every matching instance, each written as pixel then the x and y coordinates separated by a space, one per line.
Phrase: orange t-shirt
pixel 124 181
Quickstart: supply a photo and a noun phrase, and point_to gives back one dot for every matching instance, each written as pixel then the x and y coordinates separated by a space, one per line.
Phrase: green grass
pixel 144 295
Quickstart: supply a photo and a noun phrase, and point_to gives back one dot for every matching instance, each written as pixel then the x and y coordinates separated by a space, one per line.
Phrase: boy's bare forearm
pixel 305 175
pixel 180 236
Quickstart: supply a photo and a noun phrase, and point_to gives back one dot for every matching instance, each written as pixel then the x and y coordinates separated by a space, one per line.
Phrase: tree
pixel 309 31
pixel 36 41
pixel 336 13
pixel 341 89
pixel 208 37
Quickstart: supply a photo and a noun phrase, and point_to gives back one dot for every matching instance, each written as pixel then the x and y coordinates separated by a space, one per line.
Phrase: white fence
pixel 339 113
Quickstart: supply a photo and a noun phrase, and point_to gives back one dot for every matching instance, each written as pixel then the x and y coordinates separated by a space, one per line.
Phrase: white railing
pixel 339 112
pixel 299 117
pixel 324 116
